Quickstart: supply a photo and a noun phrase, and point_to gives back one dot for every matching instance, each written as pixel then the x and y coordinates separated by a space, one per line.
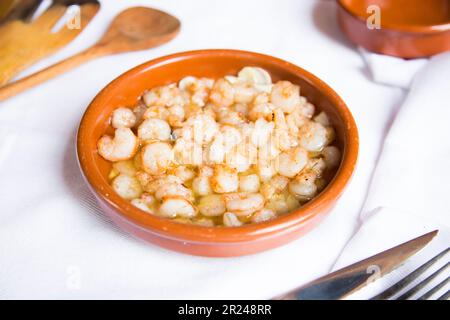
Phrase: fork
pixel 398 287
pixel 25 40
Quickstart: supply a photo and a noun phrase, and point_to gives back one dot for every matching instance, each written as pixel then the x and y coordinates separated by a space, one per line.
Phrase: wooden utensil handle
pixel 34 79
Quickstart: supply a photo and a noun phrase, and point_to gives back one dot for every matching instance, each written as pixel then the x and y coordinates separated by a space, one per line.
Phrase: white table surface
pixel 39 174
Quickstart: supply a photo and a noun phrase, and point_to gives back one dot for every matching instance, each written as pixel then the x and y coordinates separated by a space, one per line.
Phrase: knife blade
pixel 343 282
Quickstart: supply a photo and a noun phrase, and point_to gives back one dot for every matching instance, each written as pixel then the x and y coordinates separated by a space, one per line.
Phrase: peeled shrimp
pixel 291 162
pixel 244 204
pixel 249 183
pixel 156 157
pixel 331 156
pixel 154 129
pixel 222 93
pixel 231 220
pixel 123 118
pixel 176 206
pixel 122 147
pixel 303 187
pixel 164 96
pixel 127 187
pixel 313 136
pixel 212 205
pixel 263 215
pixel 173 189
pixel 225 179
pixel 286 96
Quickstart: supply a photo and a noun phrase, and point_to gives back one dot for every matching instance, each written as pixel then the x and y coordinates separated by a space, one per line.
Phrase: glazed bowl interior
pixel 126 91
pixel 406 15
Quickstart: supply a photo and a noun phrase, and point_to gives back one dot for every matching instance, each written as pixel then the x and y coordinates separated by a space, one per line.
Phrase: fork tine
pixel 22 10
pixel 422 284
pixel 409 278
pixel 445 296
pixel 429 293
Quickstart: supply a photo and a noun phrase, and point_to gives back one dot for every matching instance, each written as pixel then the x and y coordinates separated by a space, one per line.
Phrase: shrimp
pixel 225 179
pixel 182 172
pixel 262 110
pixel 230 117
pixel 123 118
pixel 201 127
pixel 244 204
pixel 187 152
pixel 158 112
pixel 123 146
pixel 283 140
pixel 127 167
pixel 201 186
pixel 222 93
pixel 154 129
pixel 212 205
pixel 331 156
pixel 263 215
pixel 286 96
pixel 154 184
pixel 198 88
pixel 172 190
pixel 139 111
pixel 157 157
pixel 276 185
pixel 265 170
pixel 317 165
pixel 127 187
pixel 291 162
pixel 231 220
pixel 261 132
pixel 140 204
pixel 176 206
pixel 282 203
pixel 244 92
pixel 323 119
pixel 249 183
pixel 313 136
pixel 165 96
pixel 176 116
pixel 303 187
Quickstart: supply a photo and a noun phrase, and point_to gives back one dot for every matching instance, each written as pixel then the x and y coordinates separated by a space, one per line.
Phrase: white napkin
pixel 392 71
pixel 408 195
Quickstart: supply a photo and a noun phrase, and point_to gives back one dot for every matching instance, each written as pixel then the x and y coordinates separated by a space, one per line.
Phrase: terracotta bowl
pixel 409 28
pixel 198 240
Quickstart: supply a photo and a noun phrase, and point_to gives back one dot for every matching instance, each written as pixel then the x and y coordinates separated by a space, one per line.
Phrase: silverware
pixel 345 281
pixel 397 288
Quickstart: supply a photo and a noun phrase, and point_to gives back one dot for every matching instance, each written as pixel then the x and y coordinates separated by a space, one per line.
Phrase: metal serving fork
pixel 400 285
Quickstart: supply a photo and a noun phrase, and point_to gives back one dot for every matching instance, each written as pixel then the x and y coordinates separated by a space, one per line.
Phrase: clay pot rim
pixel 404 28
pixel 200 234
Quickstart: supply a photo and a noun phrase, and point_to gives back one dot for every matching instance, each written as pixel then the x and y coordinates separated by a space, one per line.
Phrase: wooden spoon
pixel 136 28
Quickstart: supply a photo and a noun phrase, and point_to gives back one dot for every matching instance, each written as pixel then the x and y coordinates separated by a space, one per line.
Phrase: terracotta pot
pixel 198 240
pixel 409 28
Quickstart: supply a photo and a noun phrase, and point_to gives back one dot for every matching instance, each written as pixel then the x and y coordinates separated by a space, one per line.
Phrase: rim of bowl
pixel 432 28
pixel 195 233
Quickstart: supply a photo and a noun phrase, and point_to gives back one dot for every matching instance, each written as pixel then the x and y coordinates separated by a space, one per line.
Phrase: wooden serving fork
pixel 24 42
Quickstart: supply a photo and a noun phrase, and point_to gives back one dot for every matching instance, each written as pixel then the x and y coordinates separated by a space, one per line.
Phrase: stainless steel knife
pixel 345 281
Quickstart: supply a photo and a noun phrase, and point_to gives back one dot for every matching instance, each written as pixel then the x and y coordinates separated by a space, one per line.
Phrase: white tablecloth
pixel 54 240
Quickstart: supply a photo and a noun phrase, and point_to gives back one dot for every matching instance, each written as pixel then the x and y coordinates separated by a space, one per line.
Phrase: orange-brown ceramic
pixel 198 240
pixel 409 28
